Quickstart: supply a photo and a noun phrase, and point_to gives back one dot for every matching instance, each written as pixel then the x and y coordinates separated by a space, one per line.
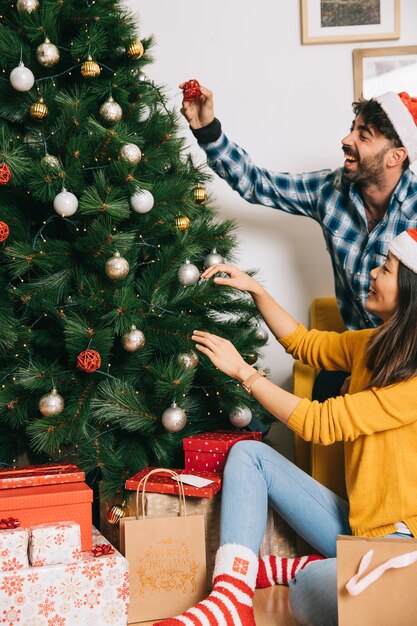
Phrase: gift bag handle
pixel 355 586
pixel 144 480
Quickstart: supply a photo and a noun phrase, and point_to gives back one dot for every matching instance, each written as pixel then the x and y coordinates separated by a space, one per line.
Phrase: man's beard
pixel 369 171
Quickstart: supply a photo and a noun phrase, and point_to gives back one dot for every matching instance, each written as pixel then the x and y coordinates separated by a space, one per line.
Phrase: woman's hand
pixel 237 279
pixel 199 112
pixel 222 354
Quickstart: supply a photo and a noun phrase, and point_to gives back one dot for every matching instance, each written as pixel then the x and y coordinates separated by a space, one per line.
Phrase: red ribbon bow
pixel 102 549
pixel 9 522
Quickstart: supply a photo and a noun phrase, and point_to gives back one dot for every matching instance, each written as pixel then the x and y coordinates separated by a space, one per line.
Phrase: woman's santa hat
pixel 404 247
pixel 401 110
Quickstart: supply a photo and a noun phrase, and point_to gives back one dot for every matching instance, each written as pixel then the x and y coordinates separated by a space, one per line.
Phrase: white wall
pixel 287 104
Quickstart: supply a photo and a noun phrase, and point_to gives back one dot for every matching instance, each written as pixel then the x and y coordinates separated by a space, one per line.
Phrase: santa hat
pixel 401 111
pixel 404 247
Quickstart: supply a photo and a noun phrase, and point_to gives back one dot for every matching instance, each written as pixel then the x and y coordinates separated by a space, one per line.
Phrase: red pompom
pixel 4 231
pixel 9 522
pixel 191 90
pixel 5 174
pixel 102 548
pixel 89 361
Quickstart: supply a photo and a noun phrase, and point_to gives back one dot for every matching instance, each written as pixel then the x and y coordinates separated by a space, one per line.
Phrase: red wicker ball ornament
pixel 191 90
pixel 89 361
pixel 5 174
pixel 4 231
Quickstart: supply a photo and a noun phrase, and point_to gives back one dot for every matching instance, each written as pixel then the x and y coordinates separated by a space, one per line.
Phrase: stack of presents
pixel 56 568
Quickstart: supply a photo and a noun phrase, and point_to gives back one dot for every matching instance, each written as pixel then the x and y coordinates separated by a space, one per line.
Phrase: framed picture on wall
pixel 377 70
pixel 337 21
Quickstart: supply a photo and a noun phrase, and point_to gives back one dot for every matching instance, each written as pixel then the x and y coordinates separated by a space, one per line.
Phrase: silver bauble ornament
pixel 240 416
pixel 21 78
pixel 117 267
pixel 34 140
pixel 51 161
pixel 188 274
pixel 212 258
pixel 261 335
pixel 27 6
pixel 144 113
pixel 133 340
pixel 142 201
pixel 47 53
pixel 189 360
pixel 65 203
pixel 110 111
pixel 131 153
pixel 174 418
pixel 51 404
pixel 142 77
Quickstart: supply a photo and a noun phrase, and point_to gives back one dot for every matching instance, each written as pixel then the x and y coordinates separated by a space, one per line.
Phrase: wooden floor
pixel 271 608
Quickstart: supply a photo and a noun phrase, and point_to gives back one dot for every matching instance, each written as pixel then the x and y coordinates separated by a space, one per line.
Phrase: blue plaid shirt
pixel 337 206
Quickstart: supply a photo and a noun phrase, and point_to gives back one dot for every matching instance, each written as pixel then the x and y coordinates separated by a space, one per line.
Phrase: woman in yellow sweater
pixel 377 421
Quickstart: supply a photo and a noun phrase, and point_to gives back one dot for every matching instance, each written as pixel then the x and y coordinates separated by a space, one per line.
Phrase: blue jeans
pixel 256 474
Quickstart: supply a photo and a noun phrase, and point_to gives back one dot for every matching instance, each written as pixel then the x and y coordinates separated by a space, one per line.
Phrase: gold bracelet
pixel 246 384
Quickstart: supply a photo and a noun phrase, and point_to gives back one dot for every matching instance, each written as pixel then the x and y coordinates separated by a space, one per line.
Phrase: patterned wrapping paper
pixel 91 592
pixel 51 544
pixel 218 441
pixel 46 474
pixel 205 461
pixel 165 484
pixel 13 549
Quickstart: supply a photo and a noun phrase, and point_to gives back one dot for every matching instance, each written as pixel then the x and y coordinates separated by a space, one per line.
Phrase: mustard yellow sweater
pixel 378 427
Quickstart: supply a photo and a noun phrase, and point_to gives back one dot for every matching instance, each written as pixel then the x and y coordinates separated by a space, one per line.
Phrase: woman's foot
pixel 277 570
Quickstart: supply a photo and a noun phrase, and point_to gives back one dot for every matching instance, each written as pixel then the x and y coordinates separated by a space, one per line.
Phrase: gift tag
pixel 194 481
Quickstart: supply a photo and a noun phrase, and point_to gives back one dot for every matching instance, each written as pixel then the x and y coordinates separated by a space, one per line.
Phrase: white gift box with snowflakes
pixel 93 591
pixel 51 544
pixel 13 549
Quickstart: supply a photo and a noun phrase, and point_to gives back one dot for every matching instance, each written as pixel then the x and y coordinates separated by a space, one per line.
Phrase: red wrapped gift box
pixel 42 504
pixel 165 484
pixel 47 474
pixel 208 451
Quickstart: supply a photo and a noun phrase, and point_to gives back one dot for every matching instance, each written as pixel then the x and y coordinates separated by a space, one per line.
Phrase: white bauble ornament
pixel 27 6
pixel 261 335
pixel 142 201
pixel 133 340
pixel 21 78
pixel 188 274
pixel 189 360
pixel 51 161
pixel 240 416
pixel 51 404
pixel 212 258
pixel 174 418
pixel 142 77
pixel 117 267
pixel 65 203
pixel 47 54
pixel 131 153
pixel 110 111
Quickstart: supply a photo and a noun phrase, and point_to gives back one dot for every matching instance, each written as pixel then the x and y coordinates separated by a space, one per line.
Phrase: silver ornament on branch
pixel 261 335
pixel 142 201
pixel 111 111
pixel 27 6
pixel 188 274
pixel 51 404
pixel 144 113
pixel 212 258
pixel 131 153
pixel 174 418
pixel 65 203
pixel 47 53
pixel 51 161
pixel 188 360
pixel 117 267
pixel 142 77
pixel 240 416
pixel 133 340
pixel 34 140
pixel 21 78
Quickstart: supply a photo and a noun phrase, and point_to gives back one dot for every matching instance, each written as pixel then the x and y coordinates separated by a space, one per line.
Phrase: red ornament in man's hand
pixel 191 90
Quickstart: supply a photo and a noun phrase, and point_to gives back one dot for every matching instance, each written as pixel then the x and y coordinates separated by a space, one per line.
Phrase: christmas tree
pixel 105 229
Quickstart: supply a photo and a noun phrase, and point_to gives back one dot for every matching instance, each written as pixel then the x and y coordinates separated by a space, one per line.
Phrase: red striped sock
pixel 276 570
pixel 231 601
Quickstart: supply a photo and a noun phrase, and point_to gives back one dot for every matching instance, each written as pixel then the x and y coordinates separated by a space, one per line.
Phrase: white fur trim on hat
pixel 402 120
pixel 404 247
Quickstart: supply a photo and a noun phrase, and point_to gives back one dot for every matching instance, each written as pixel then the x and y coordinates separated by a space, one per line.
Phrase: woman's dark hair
pixel 392 348
pixel 374 115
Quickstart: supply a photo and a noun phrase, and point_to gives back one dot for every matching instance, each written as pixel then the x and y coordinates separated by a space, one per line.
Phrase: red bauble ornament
pixel 4 231
pixel 5 174
pixel 191 90
pixel 89 361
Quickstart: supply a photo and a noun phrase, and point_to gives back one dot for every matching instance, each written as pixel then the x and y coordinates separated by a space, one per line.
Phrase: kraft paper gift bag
pixel 376 581
pixel 167 559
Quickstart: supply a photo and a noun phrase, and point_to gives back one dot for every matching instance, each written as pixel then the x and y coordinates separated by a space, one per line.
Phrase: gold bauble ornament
pixel 111 111
pixel 117 267
pixel 39 110
pixel 27 6
pixel 135 49
pixel 182 223
pixel 116 512
pixel 133 340
pixel 200 193
pixel 47 54
pixel 251 358
pixel 90 69
pixel 51 404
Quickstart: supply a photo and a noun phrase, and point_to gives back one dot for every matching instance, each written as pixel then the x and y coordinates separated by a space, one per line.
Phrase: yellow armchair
pixel 324 463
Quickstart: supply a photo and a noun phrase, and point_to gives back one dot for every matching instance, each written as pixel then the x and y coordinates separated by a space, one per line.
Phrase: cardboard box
pixel 209 451
pixel 47 474
pixel 51 503
pixel 164 484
